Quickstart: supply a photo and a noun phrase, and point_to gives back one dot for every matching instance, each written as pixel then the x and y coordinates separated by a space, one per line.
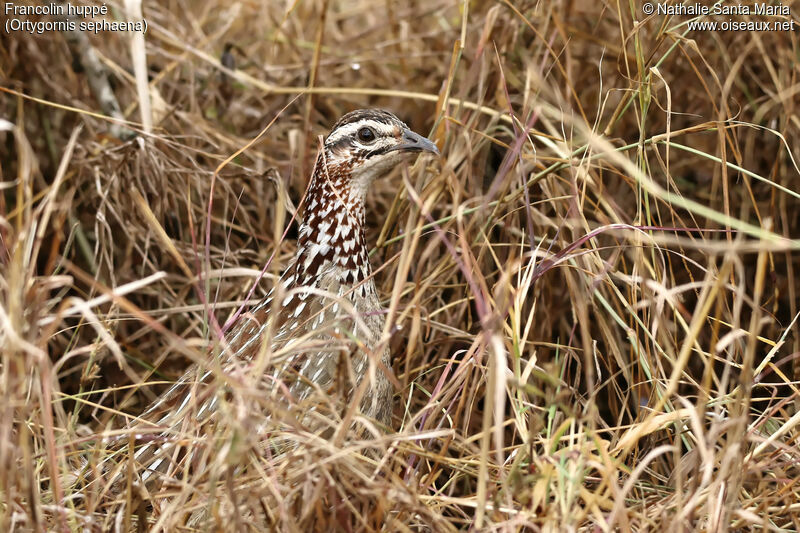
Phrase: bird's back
pixel 311 350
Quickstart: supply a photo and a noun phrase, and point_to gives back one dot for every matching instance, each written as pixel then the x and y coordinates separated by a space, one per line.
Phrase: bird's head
pixel 367 143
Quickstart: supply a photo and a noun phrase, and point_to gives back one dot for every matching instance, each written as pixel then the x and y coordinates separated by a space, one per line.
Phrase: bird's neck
pixel 331 237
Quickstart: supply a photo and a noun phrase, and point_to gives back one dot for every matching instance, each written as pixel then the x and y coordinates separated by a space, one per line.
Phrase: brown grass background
pixel 592 291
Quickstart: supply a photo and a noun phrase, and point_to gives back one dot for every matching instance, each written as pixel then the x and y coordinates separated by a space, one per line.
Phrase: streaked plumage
pixel 325 298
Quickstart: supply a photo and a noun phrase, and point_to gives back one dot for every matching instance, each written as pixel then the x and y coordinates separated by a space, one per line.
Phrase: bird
pixel 324 300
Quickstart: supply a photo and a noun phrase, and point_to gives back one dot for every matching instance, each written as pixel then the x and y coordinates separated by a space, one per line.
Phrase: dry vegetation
pixel 593 291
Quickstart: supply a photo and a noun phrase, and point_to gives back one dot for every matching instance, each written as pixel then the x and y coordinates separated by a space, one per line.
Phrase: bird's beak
pixel 413 142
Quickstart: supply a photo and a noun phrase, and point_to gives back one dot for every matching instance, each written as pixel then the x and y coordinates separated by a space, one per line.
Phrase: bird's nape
pixel 324 315
pixel 365 145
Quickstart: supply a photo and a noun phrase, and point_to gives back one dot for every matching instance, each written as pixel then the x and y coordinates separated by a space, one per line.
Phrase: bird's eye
pixel 366 135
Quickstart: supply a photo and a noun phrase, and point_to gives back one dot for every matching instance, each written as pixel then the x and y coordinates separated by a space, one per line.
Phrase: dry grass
pixel 592 295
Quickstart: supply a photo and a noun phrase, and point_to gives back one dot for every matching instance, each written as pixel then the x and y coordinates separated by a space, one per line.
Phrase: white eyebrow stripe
pixel 350 129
